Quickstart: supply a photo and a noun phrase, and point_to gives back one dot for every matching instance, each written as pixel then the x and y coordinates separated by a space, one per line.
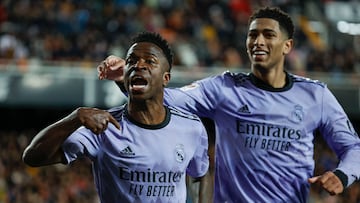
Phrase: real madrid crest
pixel 180 153
pixel 298 114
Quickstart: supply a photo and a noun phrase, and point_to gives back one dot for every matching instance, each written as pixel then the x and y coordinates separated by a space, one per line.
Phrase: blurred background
pixel 49 51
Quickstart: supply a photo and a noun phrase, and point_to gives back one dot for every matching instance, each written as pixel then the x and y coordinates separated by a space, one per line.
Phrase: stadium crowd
pixel 203 33
pixel 53 184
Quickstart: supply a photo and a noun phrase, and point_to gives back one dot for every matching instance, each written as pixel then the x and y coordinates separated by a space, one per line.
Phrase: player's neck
pixel 274 78
pixel 150 113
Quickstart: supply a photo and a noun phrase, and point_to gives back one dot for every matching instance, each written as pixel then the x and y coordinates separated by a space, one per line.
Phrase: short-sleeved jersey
pixel 264 136
pixel 143 163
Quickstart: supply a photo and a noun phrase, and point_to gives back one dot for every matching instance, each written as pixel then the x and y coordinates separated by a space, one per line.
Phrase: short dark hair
pixel 158 40
pixel 277 14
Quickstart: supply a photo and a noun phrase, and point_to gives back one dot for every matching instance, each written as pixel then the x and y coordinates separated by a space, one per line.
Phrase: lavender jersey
pixel 143 163
pixel 264 136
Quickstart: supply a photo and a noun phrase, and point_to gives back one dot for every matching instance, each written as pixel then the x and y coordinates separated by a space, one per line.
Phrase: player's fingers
pixel 95 130
pixel 100 127
pixel 327 178
pixel 333 184
pixel 322 179
pixel 329 185
pixel 114 62
pixel 338 190
pixel 101 69
pixel 329 182
pixel 102 66
pixel 334 189
pixel 104 125
pixel 115 122
pixel 314 179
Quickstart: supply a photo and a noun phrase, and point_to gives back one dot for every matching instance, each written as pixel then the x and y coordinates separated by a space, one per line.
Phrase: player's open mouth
pixel 138 83
pixel 259 55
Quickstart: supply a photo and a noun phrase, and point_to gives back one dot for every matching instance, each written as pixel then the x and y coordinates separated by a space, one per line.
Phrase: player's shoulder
pixel 305 80
pixel 236 78
pixel 183 114
pixel 236 75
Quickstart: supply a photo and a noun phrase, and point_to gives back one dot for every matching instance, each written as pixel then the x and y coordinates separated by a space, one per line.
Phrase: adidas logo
pixel 244 109
pixel 127 151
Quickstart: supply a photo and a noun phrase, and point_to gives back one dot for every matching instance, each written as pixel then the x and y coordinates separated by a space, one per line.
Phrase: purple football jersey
pixel 264 135
pixel 143 163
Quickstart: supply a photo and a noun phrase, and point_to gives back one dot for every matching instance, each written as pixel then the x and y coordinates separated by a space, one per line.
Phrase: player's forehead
pixel 145 49
pixel 264 24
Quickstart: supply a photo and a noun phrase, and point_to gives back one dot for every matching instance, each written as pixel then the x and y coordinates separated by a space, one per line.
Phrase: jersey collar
pixel 260 84
pixel 157 126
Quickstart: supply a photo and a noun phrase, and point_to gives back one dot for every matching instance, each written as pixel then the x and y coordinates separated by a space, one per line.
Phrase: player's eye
pixel 270 35
pixel 130 61
pixel 150 61
pixel 252 34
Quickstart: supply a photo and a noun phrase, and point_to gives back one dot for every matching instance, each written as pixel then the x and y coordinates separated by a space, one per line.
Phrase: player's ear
pixel 166 78
pixel 288 46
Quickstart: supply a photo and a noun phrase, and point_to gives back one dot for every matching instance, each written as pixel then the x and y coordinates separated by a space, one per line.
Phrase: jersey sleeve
pixel 341 136
pixel 81 143
pixel 199 164
pixel 200 97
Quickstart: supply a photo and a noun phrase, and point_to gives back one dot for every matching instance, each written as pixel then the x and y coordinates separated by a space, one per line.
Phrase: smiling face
pixel 267 44
pixel 146 71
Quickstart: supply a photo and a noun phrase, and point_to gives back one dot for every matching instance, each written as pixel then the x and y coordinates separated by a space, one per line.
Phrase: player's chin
pixel 259 65
pixel 137 97
pixel 136 93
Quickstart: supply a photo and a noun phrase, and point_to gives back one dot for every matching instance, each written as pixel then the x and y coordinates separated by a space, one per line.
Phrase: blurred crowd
pixel 74 183
pixel 51 184
pixel 203 33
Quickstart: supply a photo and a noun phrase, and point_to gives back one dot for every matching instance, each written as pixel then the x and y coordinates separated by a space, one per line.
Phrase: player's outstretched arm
pixel 45 148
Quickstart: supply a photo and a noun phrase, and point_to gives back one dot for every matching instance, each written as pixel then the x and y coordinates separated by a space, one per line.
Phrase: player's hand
pixel 112 68
pixel 95 119
pixel 329 182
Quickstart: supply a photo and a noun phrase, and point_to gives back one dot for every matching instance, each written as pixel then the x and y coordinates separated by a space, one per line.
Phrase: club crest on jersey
pixel 298 114
pixel 180 153
pixel 190 87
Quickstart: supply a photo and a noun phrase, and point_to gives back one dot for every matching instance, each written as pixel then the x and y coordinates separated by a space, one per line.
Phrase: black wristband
pixel 342 176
